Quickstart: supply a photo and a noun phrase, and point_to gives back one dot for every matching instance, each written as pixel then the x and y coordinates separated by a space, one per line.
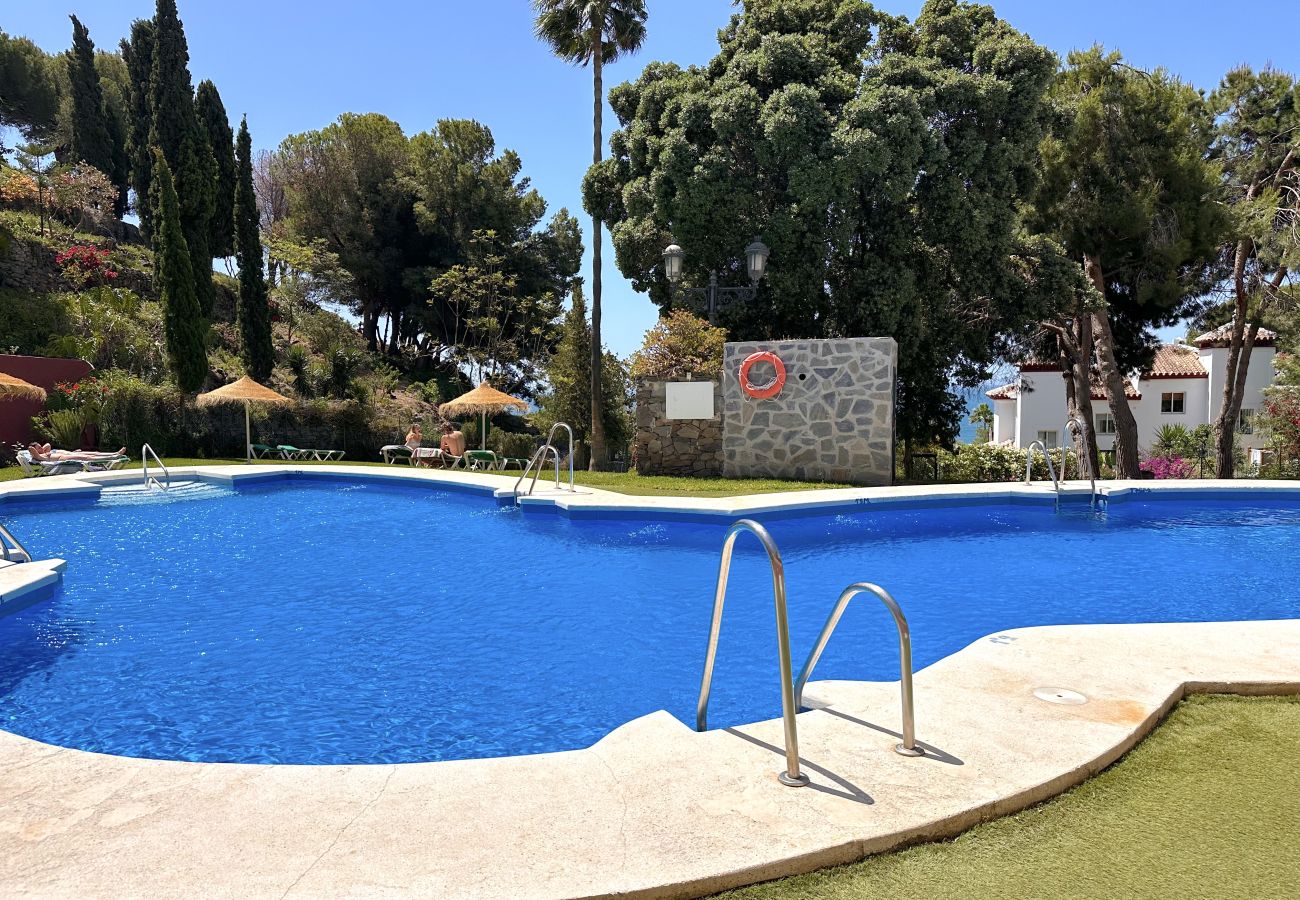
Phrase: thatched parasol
pixel 12 388
pixel 245 391
pixel 483 399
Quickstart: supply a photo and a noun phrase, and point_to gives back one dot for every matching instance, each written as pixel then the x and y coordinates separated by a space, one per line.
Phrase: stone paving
pixel 652 810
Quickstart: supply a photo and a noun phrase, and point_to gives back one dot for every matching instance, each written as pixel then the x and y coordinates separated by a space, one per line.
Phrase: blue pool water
pixel 348 622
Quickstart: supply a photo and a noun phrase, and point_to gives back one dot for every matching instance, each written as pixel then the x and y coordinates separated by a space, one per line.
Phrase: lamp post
pixel 755 263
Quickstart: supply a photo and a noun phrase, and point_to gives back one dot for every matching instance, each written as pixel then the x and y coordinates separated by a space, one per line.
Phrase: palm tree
pixel 595 32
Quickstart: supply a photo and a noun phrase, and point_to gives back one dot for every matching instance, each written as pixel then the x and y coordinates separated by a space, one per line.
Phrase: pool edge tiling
pixel 653 809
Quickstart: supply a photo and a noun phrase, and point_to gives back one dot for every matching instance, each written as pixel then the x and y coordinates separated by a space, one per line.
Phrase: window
pixel 1105 423
pixel 1048 438
pixel 1246 423
pixel 1171 403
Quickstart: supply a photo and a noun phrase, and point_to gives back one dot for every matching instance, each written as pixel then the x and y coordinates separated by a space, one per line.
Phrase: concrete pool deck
pixel 652 810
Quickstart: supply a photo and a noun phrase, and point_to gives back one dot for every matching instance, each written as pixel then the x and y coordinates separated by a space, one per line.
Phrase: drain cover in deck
pixel 1063 696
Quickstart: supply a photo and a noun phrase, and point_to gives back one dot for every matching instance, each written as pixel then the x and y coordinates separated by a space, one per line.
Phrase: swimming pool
pixel 358 621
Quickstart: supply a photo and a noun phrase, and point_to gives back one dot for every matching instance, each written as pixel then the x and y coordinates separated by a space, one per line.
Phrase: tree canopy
pixel 440 234
pixel 883 161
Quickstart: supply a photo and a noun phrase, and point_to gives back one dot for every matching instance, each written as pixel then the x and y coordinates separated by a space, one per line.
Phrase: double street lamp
pixel 755 263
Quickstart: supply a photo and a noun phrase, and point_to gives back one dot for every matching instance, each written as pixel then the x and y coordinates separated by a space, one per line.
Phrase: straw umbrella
pixel 12 388
pixel 245 391
pixel 483 399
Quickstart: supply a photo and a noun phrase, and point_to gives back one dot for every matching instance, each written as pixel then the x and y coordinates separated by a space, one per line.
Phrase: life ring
pixel 762 391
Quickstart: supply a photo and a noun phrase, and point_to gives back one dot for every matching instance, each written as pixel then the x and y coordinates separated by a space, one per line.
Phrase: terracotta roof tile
pixel 1220 337
pixel 1005 392
pixel 1176 361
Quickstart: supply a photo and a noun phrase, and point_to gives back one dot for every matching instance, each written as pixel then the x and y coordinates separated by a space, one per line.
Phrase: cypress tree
pixel 90 138
pixel 120 174
pixel 176 132
pixel 137 52
pixel 183 325
pixel 254 312
pixel 171 96
pixel 212 117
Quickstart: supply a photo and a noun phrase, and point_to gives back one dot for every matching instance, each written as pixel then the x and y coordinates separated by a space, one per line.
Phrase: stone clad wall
pixel 28 265
pixel 833 421
pixel 675 446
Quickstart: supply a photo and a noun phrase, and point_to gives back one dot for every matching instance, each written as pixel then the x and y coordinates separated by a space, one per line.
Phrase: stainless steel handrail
pixel 1075 423
pixel 539 458
pixel 791 776
pixel 548 447
pixel 1029 464
pixel 549 434
pixel 11 545
pixel 908 746
pixel 145 452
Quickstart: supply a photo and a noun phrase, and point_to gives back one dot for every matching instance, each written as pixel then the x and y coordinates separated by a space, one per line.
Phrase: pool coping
pixel 654 809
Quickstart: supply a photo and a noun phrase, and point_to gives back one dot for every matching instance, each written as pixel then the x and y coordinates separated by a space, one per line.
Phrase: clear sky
pixel 294 65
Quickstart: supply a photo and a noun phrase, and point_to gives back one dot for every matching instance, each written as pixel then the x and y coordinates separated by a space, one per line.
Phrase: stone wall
pixel 833 421
pixel 675 446
pixel 29 265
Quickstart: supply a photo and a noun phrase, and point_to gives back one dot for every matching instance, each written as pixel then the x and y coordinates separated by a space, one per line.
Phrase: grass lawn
pixel 622 482
pixel 1206 807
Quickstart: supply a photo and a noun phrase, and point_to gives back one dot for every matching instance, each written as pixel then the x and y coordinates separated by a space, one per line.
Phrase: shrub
pixel 997 462
pixel 1168 467
pixel 85 264
pixel 61 427
pixel 680 345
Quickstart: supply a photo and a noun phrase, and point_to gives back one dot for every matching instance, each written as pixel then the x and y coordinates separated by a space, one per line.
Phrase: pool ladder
pixel 1075 424
pixel 539 460
pixel 11 549
pixel 149 481
pixel 792 690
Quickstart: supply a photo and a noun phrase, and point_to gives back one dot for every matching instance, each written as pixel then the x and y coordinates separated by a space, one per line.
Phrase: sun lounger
pixel 263 451
pixel 288 451
pixel 321 455
pixel 394 453
pixel 35 468
pixel 482 459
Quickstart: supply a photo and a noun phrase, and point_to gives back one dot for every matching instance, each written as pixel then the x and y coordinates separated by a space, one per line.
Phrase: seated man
pixel 46 453
pixel 452 446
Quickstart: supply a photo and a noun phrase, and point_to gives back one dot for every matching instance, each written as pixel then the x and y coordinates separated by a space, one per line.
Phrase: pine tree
pixel 91 141
pixel 138 55
pixel 212 117
pixel 183 324
pixel 254 312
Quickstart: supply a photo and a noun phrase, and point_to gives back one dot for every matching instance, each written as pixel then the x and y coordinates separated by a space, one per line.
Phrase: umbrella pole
pixel 482 431
pixel 248 436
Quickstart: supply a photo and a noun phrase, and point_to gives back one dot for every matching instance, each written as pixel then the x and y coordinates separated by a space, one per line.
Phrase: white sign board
pixel 689 399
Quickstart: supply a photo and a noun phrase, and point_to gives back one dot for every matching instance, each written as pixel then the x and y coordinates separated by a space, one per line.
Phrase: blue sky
pixel 294 65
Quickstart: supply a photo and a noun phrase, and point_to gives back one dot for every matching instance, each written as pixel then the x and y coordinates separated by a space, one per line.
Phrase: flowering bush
pixel 83 192
pixel 998 462
pixel 87 396
pixel 680 345
pixel 1280 421
pixel 84 265
pixel 1168 467
pixel 17 188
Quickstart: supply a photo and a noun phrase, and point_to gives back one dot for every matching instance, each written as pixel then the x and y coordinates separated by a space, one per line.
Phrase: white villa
pixel 1184 386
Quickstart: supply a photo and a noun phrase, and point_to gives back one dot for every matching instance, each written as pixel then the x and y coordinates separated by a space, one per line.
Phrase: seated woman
pixel 419 456
pixel 46 453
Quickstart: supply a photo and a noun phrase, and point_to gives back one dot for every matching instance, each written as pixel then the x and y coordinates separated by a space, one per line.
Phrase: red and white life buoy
pixel 762 391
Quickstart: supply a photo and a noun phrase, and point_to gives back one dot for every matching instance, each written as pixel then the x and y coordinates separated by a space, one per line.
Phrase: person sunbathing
pixel 453 443
pixel 46 453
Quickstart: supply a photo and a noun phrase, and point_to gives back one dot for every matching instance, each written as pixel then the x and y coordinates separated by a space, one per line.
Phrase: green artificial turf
pixel 1206 807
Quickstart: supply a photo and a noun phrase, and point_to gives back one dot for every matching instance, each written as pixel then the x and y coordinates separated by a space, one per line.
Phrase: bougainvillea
pixel 1168 467
pixel 84 265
